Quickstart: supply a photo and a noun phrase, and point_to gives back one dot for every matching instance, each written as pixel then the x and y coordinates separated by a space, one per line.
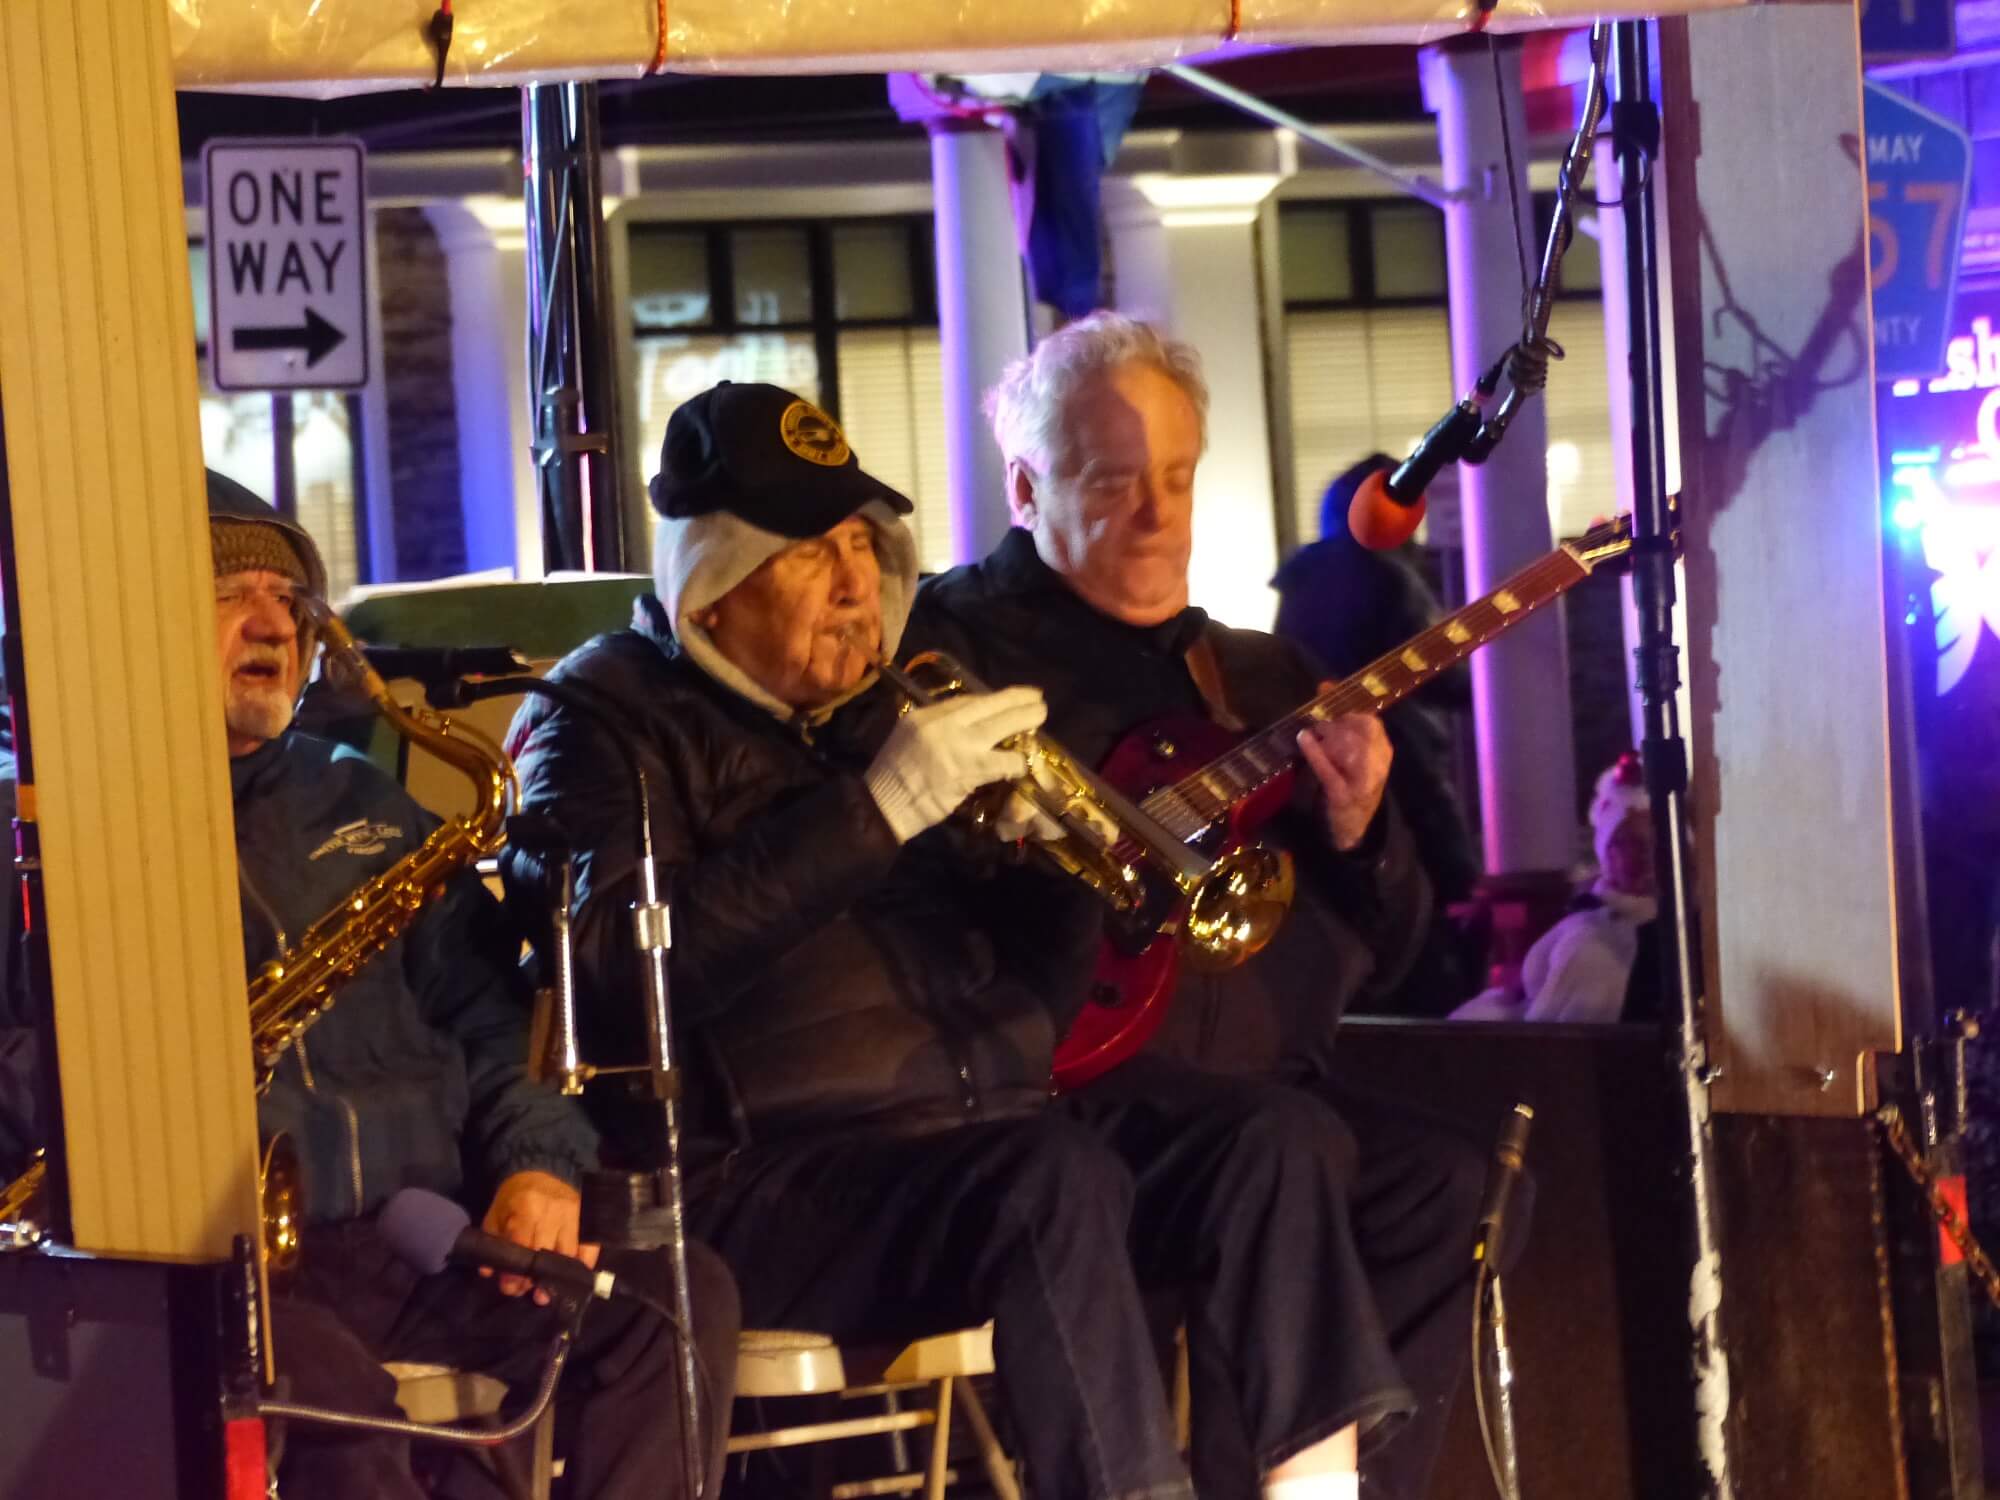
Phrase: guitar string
pixel 1553 571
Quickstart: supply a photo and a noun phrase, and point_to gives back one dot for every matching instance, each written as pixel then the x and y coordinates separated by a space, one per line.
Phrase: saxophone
pixel 297 987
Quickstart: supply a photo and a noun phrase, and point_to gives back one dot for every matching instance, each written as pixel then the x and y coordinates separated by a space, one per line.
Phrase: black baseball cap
pixel 766 455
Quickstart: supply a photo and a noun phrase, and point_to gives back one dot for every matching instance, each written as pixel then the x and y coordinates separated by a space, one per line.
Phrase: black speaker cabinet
pixel 1849 1364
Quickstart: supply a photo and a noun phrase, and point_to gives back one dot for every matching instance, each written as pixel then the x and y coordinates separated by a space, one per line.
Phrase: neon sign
pixel 1944 490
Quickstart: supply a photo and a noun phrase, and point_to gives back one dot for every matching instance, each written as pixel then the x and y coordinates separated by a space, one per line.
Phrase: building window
pixel 300 450
pixel 1368 351
pixel 844 312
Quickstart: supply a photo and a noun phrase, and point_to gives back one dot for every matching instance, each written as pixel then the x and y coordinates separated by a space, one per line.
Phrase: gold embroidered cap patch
pixel 813 435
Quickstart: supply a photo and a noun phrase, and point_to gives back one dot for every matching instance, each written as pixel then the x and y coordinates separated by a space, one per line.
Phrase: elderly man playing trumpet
pixel 869 990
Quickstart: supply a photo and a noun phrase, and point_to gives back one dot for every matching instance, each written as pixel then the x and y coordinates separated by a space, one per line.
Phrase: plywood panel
pixel 97 385
pixel 1783 541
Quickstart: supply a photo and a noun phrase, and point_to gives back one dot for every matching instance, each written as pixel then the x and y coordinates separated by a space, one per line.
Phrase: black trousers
pixel 877 1239
pixel 618 1415
pixel 1247 1203
pixel 1416 1206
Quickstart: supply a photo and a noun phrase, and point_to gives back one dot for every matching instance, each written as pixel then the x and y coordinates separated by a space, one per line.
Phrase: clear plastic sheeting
pixel 350 46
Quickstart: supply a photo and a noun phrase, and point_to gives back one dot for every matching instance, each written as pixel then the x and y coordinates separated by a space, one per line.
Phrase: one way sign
pixel 287 264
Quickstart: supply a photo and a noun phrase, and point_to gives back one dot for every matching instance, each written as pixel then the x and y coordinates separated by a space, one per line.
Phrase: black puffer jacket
pixel 821 974
pixel 1358 918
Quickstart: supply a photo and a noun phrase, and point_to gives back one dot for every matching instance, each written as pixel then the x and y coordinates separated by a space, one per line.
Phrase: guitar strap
pixel 1206 671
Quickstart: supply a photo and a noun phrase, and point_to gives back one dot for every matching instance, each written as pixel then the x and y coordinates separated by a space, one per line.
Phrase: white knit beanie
pixel 1620 790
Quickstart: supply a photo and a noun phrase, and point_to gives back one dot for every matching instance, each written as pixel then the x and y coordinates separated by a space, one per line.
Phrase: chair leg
pixel 899 1447
pixel 999 1467
pixel 541 1479
pixel 940 1442
pixel 1183 1393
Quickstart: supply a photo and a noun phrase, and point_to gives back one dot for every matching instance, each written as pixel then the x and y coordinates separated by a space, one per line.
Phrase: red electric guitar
pixel 1244 781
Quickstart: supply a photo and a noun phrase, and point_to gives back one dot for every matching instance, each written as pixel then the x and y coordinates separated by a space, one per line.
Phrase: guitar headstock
pixel 1606 543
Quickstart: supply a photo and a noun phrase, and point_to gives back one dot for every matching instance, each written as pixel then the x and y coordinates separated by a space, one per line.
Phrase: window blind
pixel 1362 380
pixel 892 405
pixel 1374 379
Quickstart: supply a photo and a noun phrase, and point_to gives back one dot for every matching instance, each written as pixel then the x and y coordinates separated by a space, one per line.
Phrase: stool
pixel 438 1394
pixel 781 1362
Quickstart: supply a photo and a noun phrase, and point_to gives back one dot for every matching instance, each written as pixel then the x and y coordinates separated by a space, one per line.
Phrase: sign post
pixel 1894 29
pixel 287 264
pixel 1919 167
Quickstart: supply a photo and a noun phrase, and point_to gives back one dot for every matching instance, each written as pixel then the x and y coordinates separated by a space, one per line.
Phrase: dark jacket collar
pixel 1015 567
pixel 248 772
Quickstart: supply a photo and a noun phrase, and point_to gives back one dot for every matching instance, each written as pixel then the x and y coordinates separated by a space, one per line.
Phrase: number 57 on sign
pixel 1918 167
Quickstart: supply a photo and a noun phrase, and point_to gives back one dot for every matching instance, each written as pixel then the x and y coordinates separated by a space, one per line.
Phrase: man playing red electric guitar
pixel 1087 599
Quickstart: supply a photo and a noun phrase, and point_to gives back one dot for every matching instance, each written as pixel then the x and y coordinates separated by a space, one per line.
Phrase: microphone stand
pixel 645 1209
pixel 1655 545
pixel 1489 1312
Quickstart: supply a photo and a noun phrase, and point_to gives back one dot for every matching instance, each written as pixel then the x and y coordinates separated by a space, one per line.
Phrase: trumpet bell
pixel 1237 909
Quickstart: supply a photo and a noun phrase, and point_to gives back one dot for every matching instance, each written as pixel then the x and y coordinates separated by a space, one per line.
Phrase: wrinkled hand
pixel 1350 755
pixel 538 1211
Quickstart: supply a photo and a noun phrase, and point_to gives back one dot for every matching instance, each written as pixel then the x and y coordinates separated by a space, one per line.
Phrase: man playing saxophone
pixel 870 989
pixel 416 1077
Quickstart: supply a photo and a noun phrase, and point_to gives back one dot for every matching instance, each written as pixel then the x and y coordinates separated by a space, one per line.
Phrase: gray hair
pixel 1026 407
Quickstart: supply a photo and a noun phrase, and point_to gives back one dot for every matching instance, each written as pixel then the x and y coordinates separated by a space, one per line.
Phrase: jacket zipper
pixel 961 1063
pixel 347 1109
pixel 948 1037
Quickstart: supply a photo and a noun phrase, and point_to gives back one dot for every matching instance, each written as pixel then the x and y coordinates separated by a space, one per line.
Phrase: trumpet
pixel 1219 911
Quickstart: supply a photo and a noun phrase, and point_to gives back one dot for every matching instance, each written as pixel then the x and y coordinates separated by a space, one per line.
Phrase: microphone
pixel 446 663
pixel 1509 1152
pixel 1388 507
pixel 428 1232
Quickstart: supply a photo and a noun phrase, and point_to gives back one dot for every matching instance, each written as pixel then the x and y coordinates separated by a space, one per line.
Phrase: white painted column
pixel 982 317
pixel 1520 683
pixel 1185 255
pixel 123 700
pixel 484 239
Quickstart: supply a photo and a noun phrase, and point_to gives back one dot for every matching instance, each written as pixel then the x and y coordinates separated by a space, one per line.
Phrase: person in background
pixel 1348 605
pixel 1599 962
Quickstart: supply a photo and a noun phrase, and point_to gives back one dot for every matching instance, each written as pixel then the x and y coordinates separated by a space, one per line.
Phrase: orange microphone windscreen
pixel 1377 520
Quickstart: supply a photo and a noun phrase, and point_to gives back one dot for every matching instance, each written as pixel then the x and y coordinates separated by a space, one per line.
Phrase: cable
pixel 1479 1379
pixel 1507 152
pixel 647 1300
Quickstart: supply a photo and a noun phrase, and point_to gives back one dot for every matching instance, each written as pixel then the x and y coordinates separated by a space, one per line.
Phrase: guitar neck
pixel 1191 805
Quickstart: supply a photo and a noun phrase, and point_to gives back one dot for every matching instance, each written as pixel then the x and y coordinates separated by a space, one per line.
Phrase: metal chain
pixel 1955 1228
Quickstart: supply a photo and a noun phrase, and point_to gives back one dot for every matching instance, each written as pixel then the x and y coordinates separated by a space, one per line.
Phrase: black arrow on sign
pixel 316 336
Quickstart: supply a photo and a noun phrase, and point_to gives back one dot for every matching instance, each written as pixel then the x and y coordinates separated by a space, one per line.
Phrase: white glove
pixel 1021 819
pixel 940 754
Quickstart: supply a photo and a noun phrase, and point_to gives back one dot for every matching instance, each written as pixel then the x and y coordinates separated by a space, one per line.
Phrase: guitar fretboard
pixel 1190 806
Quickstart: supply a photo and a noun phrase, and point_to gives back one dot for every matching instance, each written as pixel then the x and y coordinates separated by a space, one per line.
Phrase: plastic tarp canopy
pixel 350 46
